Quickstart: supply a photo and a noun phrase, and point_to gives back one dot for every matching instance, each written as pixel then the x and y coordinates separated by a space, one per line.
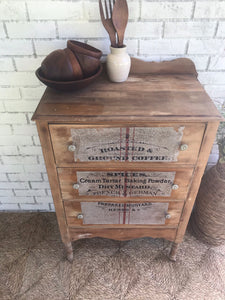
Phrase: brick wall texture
pixel 29 30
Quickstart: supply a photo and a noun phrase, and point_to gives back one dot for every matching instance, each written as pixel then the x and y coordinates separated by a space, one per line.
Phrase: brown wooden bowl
pixel 68 85
pixel 82 48
pixel 89 64
pixel 62 65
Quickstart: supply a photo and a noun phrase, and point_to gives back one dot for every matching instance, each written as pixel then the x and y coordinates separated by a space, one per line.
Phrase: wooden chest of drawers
pixel 126 160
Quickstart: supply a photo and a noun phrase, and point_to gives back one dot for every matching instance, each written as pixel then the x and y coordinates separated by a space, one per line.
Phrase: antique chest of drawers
pixel 126 160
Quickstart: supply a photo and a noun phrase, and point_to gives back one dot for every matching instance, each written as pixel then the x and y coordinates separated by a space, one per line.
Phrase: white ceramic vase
pixel 118 64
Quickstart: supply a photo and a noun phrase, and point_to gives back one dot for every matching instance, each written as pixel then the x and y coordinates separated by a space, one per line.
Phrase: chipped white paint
pixel 84 235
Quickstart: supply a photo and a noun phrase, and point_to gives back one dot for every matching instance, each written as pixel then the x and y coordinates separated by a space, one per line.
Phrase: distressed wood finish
pixel 173 251
pixel 142 98
pixel 168 94
pixel 68 176
pixel 207 143
pixel 176 66
pixel 43 131
pixel 73 209
pixel 122 234
pixel 61 138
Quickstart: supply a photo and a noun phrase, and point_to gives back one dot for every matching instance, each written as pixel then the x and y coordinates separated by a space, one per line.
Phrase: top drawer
pixel 156 143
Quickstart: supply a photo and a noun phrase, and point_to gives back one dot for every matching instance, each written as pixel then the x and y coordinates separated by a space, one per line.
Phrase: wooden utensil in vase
pixel 120 19
pixel 107 21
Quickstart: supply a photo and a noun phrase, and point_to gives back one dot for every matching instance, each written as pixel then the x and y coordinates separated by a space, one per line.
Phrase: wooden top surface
pixel 142 98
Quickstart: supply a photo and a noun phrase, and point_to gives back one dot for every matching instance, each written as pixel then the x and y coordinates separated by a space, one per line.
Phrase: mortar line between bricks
pixel 7 176
pixel 56 30
pixel 138 50
pixel 215 71
pixel 88 38
pixel 193 10
pixel 38 21
pixel 163 30
pixel 22 56
pixel 208 64
pixel 182 19
pixel 209 19
pixel 5 29
pixel 20 92
pixel 39 39
pixel 14 64
pixel 33 47
pixel 35 39
pixel 27 12
pixel 140 8
pixel 12 129
pixel 187 47
pixel 28 119
pixel 216 29
pixel 174 0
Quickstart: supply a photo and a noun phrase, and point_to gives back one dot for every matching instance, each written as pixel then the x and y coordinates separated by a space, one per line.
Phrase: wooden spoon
pixel 120 19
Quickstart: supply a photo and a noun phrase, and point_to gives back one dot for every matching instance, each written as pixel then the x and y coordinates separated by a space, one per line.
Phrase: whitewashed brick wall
pixel 29 30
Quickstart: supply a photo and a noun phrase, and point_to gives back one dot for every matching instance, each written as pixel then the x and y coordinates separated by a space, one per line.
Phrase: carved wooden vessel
pixel 126 160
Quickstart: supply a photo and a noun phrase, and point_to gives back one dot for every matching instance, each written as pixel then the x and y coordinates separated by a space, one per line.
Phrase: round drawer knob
pixel 167 216
pixel 175 187
pixel 71 148
pixel 183 147
pixel 80 216
pixel 76 186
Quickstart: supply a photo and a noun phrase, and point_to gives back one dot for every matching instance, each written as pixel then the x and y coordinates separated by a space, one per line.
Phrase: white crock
pixel 118 64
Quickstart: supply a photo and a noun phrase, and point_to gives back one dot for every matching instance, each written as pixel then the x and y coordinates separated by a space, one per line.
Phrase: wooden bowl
pixel 69 85
pixel 62 65
pixel 82 48
pixel 88 64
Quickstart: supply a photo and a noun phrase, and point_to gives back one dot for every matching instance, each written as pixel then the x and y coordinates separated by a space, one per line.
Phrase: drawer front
pixel 157 143
pixel 77 184
pixel 128 233
pixel 122 213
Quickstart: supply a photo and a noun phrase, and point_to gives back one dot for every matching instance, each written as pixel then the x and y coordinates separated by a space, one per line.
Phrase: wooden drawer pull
pixel 183 147
pixel 71 148
pixel 76 186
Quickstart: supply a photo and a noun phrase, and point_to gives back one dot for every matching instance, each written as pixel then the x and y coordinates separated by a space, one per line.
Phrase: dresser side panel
pixel 206 146
pixel 44 135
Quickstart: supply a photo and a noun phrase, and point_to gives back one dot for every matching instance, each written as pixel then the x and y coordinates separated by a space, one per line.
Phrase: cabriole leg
pixel 173 251
pixel 69 251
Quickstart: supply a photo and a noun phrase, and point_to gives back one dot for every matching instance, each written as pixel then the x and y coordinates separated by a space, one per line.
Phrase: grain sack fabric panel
pixel 127 144
pixel 125 184
pixel 124 213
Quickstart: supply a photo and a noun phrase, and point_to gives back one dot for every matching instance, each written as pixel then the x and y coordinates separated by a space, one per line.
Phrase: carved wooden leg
pixel 69 251
pixel 173 251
